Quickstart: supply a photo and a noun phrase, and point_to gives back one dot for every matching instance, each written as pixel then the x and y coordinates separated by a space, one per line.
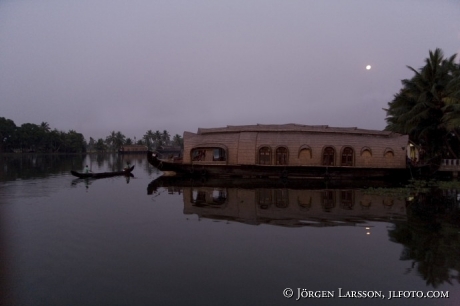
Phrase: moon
pixel 368 67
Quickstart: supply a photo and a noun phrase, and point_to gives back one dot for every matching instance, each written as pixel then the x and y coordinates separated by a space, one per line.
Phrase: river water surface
pixel 146 241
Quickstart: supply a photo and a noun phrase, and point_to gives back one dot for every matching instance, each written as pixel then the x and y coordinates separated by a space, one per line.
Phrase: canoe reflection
pixel 284 205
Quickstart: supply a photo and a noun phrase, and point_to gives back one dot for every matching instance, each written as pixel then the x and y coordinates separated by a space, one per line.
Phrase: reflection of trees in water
pixel 117 162
pixel 26 166
pixel 430 238
pixel 100 158
pixel 150 169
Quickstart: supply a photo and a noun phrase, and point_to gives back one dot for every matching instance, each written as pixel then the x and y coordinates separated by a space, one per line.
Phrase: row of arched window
pixel 281 156
pixel 344 199
pixel 347 157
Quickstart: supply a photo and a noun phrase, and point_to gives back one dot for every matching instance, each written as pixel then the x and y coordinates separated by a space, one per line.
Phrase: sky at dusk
pixel 131 66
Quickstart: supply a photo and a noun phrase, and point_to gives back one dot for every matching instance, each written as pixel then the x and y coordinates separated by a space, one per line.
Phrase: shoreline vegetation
pixel 414 187
pixel 34 138
pixel 427 108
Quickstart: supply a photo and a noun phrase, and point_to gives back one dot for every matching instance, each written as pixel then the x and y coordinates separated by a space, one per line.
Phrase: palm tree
pixel 119 140
pixel 111 140
pixel 451 118
pixel 178 141
pixel 100 145
pixel 149 139
pixel 45 126
pixel 165 137
pixel 91 144
pixel 426 105
pixel 157 137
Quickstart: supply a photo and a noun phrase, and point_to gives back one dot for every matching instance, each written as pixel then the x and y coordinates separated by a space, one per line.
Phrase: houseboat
pixel 289 150
pixel 130 149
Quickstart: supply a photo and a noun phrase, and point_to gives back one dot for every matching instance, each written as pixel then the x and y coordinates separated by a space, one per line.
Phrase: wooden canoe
pixel 102 174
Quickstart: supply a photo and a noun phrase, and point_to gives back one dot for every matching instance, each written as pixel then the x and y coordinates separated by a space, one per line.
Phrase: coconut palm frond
pixel 428 105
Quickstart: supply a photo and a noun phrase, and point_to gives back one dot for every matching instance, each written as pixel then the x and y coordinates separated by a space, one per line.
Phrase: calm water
pixel 131 241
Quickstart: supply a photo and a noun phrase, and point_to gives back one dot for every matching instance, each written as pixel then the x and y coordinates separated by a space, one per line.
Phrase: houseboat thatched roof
pixel 292 127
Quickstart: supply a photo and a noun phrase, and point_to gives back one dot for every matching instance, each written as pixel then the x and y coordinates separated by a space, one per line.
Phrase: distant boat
pixel 132 149
pixel 126 171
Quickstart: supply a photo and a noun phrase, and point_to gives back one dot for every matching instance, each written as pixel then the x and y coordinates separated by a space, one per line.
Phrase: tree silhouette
pixel 427 108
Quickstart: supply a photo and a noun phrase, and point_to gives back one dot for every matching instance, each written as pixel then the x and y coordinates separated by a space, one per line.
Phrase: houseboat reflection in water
pixel 290 207
pixel 283 205
pixel 426 224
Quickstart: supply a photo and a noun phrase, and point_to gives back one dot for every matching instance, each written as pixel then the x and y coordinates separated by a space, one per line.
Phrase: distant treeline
pixel 30 137
pixel 151 139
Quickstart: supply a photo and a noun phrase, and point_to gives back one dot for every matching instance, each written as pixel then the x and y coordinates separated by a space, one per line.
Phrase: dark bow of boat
pixel 126 171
